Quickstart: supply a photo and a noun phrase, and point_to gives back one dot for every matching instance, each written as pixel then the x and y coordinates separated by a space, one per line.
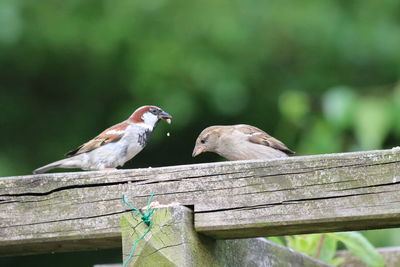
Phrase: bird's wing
pixel 112 134
pixel 258 136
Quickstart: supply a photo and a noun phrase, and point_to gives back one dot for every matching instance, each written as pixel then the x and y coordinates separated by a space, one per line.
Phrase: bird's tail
pixel 64 163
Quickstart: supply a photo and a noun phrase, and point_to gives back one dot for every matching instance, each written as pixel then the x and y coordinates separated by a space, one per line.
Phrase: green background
pixel 322 76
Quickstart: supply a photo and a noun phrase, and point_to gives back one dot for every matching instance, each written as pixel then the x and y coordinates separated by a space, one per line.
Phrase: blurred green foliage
pixel 324 247
pixel 322 76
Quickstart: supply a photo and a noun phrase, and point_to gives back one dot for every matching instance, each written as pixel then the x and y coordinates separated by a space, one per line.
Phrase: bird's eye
pixel 154 111
pixel 203 141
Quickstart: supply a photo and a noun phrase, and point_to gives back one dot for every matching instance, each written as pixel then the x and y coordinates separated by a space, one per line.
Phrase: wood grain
pixel 172 241
pixel 81 210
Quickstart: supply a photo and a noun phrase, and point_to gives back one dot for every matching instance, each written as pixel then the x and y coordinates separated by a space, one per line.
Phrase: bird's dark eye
pixel 203 141
pixel 154 111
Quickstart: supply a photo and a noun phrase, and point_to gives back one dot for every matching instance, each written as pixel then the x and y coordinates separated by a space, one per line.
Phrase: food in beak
pixel 165 116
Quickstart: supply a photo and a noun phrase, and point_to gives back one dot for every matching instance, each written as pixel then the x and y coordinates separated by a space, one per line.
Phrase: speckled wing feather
pixel 112 134
pixel 260 137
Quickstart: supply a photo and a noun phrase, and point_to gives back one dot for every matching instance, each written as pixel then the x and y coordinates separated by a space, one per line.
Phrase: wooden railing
pixel 228 200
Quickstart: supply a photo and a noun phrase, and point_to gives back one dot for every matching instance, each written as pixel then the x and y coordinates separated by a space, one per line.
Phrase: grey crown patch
pixel 144 137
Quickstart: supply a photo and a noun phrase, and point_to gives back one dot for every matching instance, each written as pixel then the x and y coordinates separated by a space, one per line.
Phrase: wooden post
pixel 172 241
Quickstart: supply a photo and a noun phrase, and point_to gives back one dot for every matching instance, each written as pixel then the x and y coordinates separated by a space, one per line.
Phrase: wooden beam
pixel 172 241
pixel 321 193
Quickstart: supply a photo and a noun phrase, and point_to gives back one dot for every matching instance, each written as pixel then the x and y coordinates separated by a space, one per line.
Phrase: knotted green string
pixel 145 218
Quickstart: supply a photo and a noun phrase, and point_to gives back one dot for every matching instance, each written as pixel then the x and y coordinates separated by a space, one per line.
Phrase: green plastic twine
pixel 145 218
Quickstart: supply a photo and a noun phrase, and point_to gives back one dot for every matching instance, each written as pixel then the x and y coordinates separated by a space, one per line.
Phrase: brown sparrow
pixel 240 142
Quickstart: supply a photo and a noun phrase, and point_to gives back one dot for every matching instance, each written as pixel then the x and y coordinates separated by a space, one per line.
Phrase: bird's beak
pixel 165 116
pixel 197 150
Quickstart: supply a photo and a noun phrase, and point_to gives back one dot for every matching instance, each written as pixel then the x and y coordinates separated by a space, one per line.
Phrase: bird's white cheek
pixel 149 119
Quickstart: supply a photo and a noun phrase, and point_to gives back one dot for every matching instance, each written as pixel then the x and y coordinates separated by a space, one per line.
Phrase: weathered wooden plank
pixel 261 252
pixel 65 211
pixel 362 193
pixel 172 241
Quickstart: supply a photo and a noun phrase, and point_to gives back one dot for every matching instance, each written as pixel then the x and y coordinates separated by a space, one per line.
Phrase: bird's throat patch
pixel 144 138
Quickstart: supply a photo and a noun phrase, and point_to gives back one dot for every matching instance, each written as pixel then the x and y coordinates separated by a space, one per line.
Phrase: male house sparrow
pixel 115 145
pixel 240 142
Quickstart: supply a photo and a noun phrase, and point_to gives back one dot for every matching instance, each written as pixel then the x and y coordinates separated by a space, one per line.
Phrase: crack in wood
pixel 284 202
pixel 29 201
pixel 313 169
pixel 370 186
pixel 155 181
pixel 157 250
pixel 68 219
pixel 291 188
pixel 68 187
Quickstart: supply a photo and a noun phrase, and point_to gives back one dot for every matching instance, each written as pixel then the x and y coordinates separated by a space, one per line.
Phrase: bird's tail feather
pixel 64 163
